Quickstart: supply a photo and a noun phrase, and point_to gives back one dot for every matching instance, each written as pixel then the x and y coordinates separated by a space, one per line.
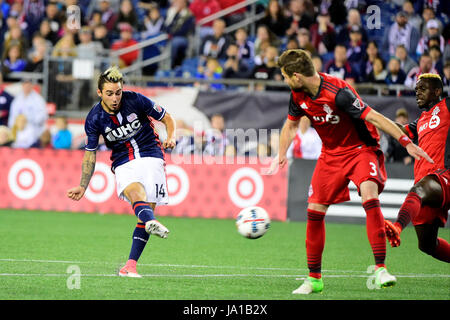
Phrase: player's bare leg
pixel 376 232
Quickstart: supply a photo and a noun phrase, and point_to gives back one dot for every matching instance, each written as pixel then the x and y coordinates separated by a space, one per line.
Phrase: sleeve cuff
pixel 293 118
pixel 365 112
pixel 162 116
pixel 404 140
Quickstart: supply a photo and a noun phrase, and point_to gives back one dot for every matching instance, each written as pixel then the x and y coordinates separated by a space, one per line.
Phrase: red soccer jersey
pixel 432 130
pixel 337 113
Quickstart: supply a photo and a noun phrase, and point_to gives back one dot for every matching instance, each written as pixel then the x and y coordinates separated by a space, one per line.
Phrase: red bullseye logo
pixel 102 184
pixel 25 179
pixel 99 182
pixel 245 187
pixel 177 184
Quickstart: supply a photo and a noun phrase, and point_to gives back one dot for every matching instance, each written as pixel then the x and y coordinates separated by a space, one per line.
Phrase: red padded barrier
pixel 38 179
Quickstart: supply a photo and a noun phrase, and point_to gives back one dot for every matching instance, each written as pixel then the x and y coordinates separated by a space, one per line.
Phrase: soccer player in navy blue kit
pixel 124 119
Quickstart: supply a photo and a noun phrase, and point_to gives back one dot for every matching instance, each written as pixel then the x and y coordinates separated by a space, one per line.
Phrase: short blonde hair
pixel 430 76
pixel 434 79
pixel 111 75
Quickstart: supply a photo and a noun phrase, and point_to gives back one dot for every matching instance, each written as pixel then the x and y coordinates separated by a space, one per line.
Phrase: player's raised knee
pixel 135 192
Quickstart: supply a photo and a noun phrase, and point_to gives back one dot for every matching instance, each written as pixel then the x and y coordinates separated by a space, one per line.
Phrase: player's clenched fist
pixel 76 193
pixel 169 144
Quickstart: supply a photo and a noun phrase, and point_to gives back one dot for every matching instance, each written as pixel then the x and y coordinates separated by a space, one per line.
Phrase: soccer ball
pixel 253 222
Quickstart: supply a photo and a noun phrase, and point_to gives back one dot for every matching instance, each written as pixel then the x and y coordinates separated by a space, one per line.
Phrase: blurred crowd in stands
pixel 23 121
pixel 343 38
pixel 412 36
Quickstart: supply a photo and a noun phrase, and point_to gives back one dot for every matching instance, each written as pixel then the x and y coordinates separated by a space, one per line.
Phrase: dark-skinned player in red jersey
pixel 428 201
pixel 350 152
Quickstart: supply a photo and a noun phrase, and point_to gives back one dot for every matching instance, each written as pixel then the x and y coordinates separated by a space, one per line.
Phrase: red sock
pixel 442 251
pixel 409 209
pixel 375 230
pixel 315 241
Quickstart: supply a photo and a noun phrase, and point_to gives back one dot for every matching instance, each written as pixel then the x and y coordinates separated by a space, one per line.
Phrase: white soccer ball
pixel 252 222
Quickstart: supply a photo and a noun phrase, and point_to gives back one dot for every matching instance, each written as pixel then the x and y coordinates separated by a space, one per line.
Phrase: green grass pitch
pixel 203 259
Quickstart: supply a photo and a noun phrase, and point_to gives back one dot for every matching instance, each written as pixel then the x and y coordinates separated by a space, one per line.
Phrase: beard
pixel 427 105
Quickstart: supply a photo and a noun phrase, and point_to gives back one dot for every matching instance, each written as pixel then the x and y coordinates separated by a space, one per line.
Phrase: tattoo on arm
pixel 87 168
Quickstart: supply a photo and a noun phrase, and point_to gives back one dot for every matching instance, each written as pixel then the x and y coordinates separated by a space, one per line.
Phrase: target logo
pixel 25 179
pixel 245 187
pixel 102 185
pixel 177 184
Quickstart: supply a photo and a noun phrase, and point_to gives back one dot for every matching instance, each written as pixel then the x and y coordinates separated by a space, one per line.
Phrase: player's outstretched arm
pixel 388 126
pixel 87 169
pixel 170 124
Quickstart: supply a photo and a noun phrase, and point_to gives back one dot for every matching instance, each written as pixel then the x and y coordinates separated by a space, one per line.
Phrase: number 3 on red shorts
pixel 374 169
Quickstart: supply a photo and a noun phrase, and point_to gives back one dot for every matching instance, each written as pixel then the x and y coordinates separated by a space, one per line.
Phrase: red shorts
pixel 428 215
pixel 329 183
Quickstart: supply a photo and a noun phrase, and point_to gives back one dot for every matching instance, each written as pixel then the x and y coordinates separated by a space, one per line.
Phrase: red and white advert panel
pixel 39 179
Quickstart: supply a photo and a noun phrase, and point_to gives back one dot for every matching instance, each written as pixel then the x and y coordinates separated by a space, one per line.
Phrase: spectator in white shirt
pixel 32 106
pixel 400 32
pixel 23 134
pixel 307 143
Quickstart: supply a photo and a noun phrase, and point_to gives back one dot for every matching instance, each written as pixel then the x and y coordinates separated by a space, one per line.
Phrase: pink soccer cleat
pixel 129 270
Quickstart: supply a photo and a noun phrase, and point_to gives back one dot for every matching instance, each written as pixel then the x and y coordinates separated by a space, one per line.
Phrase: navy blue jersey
pixel 5 104
pixel 130 133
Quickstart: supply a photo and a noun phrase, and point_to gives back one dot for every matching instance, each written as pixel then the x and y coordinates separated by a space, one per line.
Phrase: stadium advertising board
pixel 38 179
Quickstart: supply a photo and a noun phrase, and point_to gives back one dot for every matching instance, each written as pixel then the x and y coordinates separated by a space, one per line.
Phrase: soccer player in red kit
pixel 350 152
pixel 428 201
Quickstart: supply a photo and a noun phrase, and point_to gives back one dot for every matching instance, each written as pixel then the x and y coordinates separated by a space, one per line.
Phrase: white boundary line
pixel 43 261
pixel 354 273
pixel 218 275
pixel 171 265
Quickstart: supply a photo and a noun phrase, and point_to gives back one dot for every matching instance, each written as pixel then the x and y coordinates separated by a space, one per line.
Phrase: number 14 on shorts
pixel 159 190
